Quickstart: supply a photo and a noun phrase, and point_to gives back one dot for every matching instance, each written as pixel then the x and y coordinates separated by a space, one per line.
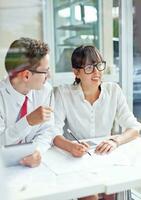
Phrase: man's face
pixel 40 74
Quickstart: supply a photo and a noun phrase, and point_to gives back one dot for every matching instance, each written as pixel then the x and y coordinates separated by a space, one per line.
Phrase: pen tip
pixel 89 153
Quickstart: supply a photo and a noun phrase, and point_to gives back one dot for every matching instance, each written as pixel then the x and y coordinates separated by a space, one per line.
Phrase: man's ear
pixel 76 72
pixel 25 74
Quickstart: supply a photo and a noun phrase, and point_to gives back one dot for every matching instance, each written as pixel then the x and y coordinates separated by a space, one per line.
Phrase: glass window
pixel 86 22
pixel 137 59
pixel 76 23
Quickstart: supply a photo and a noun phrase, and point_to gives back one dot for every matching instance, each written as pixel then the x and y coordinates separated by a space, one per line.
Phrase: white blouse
pixel 96 120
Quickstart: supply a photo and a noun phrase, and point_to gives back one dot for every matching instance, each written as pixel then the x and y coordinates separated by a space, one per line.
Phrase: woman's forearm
pixel 126 136
pixel 62 143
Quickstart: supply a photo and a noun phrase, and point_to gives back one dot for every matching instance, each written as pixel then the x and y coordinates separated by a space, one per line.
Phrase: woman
pixel 89 107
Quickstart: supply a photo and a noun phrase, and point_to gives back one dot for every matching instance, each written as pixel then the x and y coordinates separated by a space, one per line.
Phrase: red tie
pixel 23 110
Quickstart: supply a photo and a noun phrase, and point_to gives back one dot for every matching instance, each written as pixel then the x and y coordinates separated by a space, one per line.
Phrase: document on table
pixel 61 162
pixel 21 177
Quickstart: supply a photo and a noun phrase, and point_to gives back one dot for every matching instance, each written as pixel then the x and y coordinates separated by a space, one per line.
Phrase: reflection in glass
pixel 137 59
pixel 75 23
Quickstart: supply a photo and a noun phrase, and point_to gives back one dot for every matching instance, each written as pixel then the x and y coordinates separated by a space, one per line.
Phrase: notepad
pixel 12 154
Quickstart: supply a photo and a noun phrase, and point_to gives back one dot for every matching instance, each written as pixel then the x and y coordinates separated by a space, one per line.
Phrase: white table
pixel 45 182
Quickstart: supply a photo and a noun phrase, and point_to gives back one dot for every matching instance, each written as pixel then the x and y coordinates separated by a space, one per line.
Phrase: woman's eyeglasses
pixel 89 69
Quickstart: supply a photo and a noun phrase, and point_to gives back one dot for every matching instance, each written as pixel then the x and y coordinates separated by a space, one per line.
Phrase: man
pixel 25 100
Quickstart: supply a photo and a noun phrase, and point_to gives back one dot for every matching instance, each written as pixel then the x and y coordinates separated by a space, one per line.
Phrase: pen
pixel 50 100
pixel 70 132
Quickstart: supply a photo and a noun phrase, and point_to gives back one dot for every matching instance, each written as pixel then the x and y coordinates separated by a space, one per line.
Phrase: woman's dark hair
pixel 83 54
pixel 24 53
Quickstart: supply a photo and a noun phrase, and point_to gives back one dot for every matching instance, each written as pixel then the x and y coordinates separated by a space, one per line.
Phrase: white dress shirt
pixel 92 120
pixel 12 130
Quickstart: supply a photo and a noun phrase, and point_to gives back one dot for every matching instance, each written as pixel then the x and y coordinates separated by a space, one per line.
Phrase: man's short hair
pixel 24 53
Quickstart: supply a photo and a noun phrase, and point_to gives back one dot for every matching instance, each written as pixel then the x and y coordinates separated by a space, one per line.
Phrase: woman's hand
pixel 78 150
pixel 106 147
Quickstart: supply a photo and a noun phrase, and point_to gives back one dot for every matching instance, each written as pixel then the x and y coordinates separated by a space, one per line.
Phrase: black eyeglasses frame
pixel 94 65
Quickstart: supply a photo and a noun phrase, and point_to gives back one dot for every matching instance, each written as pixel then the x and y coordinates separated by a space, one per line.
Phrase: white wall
pixel 18 19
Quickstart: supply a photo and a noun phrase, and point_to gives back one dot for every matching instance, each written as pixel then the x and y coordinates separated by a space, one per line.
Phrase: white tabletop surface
pixel 62 177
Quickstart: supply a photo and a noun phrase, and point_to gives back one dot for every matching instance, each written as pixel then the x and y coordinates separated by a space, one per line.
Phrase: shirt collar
pixel 78 89
pixel 102 93
pixel 19 98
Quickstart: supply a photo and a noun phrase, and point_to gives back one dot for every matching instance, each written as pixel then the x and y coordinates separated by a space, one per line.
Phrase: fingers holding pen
pixel 85 144
pixel 78 150
pixel 40 115
pixel 46 111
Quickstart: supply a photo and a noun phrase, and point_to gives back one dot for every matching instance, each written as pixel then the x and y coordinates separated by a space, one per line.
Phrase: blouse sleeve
pixel 124 116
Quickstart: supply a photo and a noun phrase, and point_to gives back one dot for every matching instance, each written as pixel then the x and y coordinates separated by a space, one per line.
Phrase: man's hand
pixel 106 147
pixel 78 150
pixel 38 116
pixel 32 160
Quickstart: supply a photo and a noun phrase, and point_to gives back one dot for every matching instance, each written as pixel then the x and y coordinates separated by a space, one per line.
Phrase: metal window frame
pixel 48 32
pixel 126 49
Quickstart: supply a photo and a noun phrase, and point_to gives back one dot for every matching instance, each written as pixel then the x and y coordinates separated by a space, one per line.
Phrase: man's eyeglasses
pixel 39 72
pixel 89 69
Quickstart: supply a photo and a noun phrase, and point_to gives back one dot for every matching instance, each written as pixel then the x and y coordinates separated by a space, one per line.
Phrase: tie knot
pixel 26 98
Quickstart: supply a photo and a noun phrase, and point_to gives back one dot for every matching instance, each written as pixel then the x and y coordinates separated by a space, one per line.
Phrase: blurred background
pixel 112 25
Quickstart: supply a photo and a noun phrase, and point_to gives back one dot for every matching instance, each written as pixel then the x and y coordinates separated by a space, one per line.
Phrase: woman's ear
pixel 76 72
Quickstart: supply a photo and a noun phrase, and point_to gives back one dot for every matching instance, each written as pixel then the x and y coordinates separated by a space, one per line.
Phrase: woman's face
pixel 89 75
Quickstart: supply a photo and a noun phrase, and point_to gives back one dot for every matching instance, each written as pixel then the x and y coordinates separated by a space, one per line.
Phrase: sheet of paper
pixel 61 162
